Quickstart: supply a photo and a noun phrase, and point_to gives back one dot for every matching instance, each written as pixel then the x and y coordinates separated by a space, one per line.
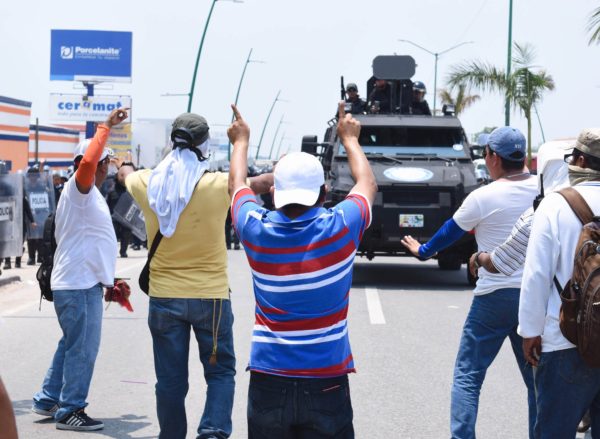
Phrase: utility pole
pixel 37 140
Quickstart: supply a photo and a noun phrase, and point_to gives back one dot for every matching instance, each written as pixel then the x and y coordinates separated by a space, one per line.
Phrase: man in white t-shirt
pixel 491 211
pixel 84 262
pixel 565 385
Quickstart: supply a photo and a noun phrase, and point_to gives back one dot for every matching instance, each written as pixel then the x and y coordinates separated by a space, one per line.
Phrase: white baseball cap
pixel 83 146
pixel 298 179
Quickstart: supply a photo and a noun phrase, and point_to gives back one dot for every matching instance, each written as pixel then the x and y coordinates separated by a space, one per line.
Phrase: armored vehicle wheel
pixel 449 262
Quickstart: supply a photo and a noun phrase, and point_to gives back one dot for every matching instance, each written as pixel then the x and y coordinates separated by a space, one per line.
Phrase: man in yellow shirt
pixel 189 289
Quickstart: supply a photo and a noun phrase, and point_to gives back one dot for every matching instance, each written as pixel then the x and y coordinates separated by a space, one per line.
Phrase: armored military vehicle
pixel 422 164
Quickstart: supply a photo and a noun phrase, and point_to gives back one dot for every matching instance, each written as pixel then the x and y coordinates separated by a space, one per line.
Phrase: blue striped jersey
pixel 302 275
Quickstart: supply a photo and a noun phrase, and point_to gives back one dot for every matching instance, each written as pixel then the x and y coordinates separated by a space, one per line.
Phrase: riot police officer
pixel 359 106
pixel 419 105
pixel 379 99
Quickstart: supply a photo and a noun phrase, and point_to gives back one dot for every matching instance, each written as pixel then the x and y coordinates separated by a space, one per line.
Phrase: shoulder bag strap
pixel 157 239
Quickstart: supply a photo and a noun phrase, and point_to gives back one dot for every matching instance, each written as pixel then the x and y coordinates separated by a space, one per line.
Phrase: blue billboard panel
pixel 90 55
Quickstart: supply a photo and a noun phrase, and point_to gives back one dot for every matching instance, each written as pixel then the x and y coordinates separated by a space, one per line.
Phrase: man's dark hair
pixel 320 200
pixel 509 165
pixel 591 161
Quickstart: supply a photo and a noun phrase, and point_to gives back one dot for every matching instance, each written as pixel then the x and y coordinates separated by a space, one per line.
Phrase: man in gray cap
pixel 566 387
pixel 185 207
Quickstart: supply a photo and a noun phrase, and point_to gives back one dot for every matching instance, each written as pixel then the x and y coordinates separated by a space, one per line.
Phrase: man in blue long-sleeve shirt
pixel 491 211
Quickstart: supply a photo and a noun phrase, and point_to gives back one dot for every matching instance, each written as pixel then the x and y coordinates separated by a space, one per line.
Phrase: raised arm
pixel 261 184
pixel 239 136
pixel 86 173
pixel 348 130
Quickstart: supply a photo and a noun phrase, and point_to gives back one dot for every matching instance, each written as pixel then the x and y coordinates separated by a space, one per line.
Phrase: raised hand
pixel 348 127
pixel 117 116
pixel 239 129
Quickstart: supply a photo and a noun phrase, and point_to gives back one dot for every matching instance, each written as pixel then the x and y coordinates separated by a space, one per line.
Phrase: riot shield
pixel 11 215
pixel 39 189
pixel 128 214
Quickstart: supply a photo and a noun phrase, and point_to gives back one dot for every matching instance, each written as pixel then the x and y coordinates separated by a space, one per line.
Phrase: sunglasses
pixel 487 151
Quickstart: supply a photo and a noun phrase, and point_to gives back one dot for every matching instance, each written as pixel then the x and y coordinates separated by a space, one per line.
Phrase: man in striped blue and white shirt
pixel 301 256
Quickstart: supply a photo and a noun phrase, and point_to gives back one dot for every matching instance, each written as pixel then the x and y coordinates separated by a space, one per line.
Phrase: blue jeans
pixel 491 319
pixel 67 382
pixel 170 322
pixel 299 408
pixel 566 388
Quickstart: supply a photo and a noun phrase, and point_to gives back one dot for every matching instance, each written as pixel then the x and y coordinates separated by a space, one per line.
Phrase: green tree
pixel 524 88
pixel 461 101
pixel 594 26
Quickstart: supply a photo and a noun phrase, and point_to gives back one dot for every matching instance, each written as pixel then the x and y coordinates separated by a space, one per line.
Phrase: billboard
pixel 90 55
pixel 119 140
pixel 74 107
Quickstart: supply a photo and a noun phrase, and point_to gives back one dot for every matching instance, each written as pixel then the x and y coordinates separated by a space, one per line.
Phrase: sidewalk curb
pixel 9 280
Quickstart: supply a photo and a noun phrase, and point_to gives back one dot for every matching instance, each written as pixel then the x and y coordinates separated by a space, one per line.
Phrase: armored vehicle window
pixel 442 142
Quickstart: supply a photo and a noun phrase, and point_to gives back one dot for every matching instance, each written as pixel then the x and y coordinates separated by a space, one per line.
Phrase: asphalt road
pixel 405 323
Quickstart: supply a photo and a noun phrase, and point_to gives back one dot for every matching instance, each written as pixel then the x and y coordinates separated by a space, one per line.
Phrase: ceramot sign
pixel 72 107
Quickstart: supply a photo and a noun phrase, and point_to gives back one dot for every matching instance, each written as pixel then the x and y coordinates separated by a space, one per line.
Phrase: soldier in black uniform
pixel 379 99
pixel 419 105
pixel 359 106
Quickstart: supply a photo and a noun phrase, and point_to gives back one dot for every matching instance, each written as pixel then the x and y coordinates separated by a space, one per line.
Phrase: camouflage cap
pixel 196 124
pixel 588 142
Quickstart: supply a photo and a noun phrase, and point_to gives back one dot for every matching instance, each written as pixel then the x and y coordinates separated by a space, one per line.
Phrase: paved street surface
pixel 405 322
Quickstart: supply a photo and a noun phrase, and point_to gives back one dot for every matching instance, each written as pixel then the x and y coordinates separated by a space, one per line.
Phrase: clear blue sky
pixel 307 45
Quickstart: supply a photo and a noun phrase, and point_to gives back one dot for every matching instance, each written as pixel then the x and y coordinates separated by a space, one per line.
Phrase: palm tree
pixel 523 88
pixel 594 26
pixel 461 102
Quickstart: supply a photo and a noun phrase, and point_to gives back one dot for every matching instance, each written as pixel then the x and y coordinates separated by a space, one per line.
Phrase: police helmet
pixel 419 86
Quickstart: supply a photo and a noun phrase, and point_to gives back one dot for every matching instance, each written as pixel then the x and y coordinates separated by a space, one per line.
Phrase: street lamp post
pixel 237 95
pixel 279 146
pixel 436 55
pixel 275 136
pixel 508 62
pixel 266 122
pixel 191 94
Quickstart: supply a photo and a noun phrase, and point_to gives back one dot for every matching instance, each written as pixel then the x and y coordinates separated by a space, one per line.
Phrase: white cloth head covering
pixel 551 165
pixel 172 184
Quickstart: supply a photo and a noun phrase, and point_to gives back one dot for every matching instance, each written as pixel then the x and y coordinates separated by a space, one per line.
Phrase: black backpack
pixel 47 250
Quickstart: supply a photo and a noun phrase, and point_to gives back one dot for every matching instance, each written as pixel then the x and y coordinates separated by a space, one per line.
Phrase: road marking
pixel 374 306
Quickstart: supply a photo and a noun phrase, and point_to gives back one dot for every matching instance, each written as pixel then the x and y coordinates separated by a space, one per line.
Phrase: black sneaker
pixel 79 421
pixel 45 412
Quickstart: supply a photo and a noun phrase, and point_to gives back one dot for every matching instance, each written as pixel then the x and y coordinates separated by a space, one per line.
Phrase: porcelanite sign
pixel 72 107
pixel 90 55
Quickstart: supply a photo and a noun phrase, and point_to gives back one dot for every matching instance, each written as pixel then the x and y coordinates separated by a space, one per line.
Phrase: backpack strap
pixel 581 209
pixel 578 204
